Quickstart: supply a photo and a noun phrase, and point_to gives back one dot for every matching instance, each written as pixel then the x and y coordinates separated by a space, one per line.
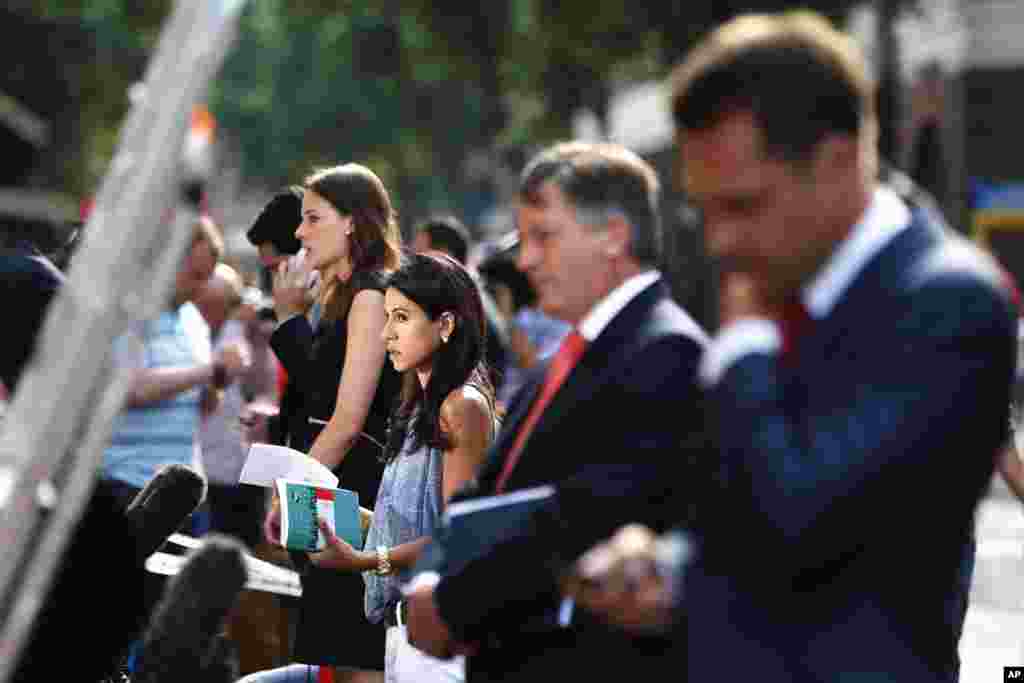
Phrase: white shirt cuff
pixel 672 554
pixel 428 579
pixel 735 340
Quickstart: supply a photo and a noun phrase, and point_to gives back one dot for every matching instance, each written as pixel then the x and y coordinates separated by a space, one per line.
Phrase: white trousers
pixel 405 664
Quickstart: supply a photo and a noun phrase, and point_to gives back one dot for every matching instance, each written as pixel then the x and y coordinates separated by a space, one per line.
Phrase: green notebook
pixel 302 504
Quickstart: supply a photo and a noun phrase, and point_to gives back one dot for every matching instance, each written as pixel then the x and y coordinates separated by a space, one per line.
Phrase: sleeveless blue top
pixel 409 505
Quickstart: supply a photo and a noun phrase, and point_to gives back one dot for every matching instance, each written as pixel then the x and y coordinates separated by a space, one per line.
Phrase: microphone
pixel 97 576
pixel 100 560
pixel 183 640
pixel 162 506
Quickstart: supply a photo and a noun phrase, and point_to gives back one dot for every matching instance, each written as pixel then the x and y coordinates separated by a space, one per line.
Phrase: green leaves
pixel 415 86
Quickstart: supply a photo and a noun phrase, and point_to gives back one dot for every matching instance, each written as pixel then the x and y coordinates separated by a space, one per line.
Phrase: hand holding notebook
pixel 305 506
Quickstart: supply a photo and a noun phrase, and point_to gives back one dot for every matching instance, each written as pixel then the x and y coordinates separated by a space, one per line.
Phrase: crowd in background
pixel 729 500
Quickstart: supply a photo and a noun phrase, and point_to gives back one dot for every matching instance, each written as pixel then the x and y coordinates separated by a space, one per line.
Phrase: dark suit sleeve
pixel 631 477
pixel 292 341
pixel 931 386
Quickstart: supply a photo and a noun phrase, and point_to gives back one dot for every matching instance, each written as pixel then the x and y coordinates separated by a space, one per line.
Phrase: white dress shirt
pixel 885 217
pixel 590 326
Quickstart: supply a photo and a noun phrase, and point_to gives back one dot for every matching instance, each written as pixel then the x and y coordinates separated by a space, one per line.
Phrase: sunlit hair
pixel 356 191
pixel 438 284
pixel 799 77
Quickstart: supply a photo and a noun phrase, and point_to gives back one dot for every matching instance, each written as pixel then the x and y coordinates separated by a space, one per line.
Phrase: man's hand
pixel 740 296
pixel 624 580
pixel 234 358
pixel 340 555
pixel 427 630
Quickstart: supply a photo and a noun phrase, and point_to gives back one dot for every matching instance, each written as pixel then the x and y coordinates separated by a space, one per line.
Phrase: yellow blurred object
pixel 1001 233
pixel 203 122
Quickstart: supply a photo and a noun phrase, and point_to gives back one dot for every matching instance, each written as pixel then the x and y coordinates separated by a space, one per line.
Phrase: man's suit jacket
pixel 841 544
pixel 614 440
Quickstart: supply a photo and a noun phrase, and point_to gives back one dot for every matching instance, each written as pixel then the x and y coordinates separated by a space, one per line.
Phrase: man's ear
pixel 619 232
pixel 837 154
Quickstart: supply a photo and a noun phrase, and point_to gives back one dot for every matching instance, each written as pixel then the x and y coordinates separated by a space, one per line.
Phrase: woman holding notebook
pixel 440 431
pixel 328 340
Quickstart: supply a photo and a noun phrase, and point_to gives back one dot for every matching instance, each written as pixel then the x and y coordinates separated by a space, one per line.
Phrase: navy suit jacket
pixel 615 441
pixel 837 547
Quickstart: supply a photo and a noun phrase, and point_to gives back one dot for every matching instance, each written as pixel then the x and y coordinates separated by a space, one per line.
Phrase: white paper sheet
pixel 267 463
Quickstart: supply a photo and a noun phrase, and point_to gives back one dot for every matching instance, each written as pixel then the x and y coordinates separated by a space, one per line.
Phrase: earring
pixel 444 338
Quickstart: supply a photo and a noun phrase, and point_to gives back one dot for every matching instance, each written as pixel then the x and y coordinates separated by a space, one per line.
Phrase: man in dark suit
pixel 606 422
pixel 824 559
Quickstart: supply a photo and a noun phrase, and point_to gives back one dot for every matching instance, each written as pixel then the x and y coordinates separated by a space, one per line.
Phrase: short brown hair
pixel 801 78
pixel 602 177
pixel 205 230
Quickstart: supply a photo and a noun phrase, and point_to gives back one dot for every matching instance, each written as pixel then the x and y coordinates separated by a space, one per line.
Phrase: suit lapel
pixel 873 284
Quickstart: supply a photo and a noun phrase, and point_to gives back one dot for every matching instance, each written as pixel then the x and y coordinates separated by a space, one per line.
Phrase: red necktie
pixel 793 324
pixel 569 353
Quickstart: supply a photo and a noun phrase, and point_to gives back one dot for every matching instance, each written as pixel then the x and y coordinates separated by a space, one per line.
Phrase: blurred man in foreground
pixel 864 349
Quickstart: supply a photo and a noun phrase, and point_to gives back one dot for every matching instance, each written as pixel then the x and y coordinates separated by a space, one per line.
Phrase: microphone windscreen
pixel 97 576
pixel 182 641
pixel 163 505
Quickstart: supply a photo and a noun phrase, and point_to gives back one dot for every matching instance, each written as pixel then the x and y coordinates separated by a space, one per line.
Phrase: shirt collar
pixel 885 217
pixel 594 322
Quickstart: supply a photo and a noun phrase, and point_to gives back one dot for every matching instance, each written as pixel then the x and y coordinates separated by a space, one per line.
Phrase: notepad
pixel 303 505
pixel 472 527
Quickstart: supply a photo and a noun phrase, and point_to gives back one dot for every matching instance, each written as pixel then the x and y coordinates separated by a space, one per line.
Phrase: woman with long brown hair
pixel 328 341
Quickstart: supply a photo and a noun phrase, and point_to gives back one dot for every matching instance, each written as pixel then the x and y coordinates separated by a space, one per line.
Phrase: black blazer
pixel 840 545
pixel 615 441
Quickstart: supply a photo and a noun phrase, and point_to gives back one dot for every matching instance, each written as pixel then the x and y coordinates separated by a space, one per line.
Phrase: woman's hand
pixel 292 289
pixel 340 555
pixel 272 522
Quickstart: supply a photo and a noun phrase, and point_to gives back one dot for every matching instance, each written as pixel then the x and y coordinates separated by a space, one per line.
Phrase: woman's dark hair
pixel 278 221
pixel 438 284
pixel 356 191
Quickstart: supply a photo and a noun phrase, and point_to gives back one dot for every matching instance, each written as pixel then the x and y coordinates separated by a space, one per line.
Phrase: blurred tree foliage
pixel 71 62
pixel 413 87
pixel 410 87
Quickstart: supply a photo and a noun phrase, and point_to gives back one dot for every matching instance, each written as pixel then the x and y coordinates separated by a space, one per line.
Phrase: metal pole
pixel 59 421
